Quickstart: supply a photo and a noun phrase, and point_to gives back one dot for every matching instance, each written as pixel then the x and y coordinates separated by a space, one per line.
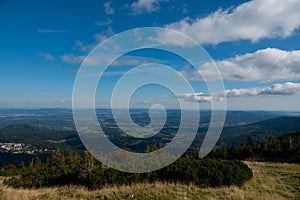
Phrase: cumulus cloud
pixel 195 97
pixel 253 20
pixel 287 88
pixel 108 9
pixel 145 6
pixel 266 65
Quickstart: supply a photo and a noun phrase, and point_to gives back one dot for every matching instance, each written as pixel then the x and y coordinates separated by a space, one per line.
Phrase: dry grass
pixel 272 181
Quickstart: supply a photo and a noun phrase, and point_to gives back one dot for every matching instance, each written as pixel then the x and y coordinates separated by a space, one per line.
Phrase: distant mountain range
pixel 62 119
pixel 259 130
pixel 52 128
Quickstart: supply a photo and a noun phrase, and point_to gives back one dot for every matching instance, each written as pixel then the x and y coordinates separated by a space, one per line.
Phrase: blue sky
pixel 255 44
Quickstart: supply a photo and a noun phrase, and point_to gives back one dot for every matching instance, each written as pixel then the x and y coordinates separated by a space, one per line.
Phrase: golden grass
pixel 271 181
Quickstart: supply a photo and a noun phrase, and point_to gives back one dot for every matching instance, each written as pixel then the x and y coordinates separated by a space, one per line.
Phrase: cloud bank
pixel 287 88
pixel 195 97
pixel 266 65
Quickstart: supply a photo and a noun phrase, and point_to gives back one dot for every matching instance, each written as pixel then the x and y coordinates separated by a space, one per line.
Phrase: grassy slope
pixel 271 181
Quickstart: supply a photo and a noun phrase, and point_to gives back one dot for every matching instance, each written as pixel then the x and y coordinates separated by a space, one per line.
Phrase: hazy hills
pixel 62 119
pixel 260 130
pixel 52 128
pixel 49 138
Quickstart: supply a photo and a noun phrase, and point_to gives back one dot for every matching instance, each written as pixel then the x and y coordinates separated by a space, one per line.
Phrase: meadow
pixel 271 181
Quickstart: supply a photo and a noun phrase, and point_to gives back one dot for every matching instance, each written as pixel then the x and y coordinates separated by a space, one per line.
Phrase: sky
pixel 254 44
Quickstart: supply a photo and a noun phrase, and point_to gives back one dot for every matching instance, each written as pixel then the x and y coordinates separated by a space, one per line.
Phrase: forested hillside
pixel 285 148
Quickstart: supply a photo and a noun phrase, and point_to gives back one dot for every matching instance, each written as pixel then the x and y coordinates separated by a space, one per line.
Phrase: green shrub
pixel 68 169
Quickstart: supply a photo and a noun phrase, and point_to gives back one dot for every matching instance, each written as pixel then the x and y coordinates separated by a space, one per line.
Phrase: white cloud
pixel 145 6
pixel 266 65
pixel 195 97
pixel 72 59
pixel 47 56
pixel 143 102
pixel 128 62
pixel 109 10
pixel 282 89
pixel 287 88
pixel 79 45
pixel 99 37
pixel 133 61
pixel 252 21
pixel 104 35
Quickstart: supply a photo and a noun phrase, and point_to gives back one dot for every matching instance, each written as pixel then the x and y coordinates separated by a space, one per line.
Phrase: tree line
pixel 285 148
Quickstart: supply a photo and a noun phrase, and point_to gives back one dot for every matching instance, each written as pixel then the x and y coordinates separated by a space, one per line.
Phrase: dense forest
pixel 285 148
pixel 65 168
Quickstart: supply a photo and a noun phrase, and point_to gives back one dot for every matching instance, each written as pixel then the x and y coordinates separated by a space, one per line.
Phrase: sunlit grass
pixel 271 181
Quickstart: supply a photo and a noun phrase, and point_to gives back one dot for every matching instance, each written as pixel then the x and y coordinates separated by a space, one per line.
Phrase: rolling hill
pixel 259 130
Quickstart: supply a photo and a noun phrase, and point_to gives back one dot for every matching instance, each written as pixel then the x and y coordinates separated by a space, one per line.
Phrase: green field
pixel 271 181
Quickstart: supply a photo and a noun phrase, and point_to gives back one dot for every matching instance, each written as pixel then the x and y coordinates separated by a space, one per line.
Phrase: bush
pixel 84 170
